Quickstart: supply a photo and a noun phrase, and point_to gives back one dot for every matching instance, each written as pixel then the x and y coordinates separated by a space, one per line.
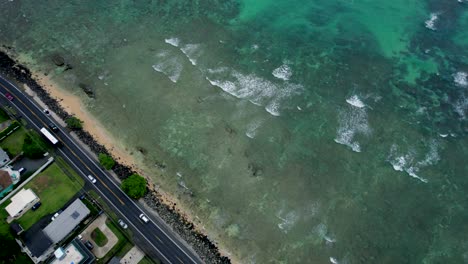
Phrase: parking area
pixel 112 239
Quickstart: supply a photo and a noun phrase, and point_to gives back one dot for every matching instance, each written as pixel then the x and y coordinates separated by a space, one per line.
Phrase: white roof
pixel 19 201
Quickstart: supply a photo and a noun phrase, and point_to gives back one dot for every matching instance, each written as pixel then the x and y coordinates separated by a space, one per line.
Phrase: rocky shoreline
pixel 204 247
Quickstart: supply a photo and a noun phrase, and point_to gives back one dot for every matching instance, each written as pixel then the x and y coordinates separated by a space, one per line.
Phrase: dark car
pixel 53 127
pixel 9 96
pixel 36 205
pixel 89 245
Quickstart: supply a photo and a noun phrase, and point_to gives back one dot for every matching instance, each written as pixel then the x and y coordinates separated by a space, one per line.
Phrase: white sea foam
pixel 430 23
pixel 287 221
pixel 169 65
pixel 193 52
pixel 283 72
pixel 461 107
pixel 407 163
pixel 461 79
pixel 252 128
pixel 257 90
pixel 173 41
pixel 355 101
pixel 333 260
pixel 352 122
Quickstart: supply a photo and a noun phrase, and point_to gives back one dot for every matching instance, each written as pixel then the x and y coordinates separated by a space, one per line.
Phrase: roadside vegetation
pixel 106 161
pixel 54 188
pixel 34 146
pixel 74 123
pixel 3 116
pixel 98 236
pixel 134 186
pixel 10 251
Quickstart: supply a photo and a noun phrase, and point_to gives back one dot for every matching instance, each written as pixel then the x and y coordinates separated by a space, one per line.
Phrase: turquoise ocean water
pixel 297 131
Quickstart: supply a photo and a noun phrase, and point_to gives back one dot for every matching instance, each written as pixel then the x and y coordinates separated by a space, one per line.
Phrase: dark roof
pixel 37 243
pixel 5 179
pixel 16 228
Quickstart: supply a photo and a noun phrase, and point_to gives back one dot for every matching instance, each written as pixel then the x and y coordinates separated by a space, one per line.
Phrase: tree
pixel 134 186
pixel 74 123
pixel 33 146
pixel 106 161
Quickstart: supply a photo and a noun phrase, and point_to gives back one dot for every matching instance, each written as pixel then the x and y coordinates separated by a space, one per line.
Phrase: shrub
pixel 134 186
pixel 106 161
pixel 74 123
pixel 33 146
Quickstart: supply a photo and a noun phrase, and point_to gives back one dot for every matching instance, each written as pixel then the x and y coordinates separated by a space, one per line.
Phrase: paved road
pixel 154 237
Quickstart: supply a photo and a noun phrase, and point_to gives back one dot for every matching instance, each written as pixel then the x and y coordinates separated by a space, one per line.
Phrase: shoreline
pixel 64 104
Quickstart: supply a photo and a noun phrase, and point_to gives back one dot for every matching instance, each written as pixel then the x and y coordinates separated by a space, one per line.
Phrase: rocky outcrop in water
pixel 87 90
pixel 206 249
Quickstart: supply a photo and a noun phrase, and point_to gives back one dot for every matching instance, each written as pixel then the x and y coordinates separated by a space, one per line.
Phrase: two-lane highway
pixel 155 235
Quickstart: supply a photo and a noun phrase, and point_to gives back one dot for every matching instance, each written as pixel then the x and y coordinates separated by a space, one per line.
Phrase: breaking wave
pixel 173 41
pixel 352 122
pixel 192 52
pixel 257 90
pixel 168 65
pixel 460 78
pixel 430 23
pixel 283 72
pixel 355 101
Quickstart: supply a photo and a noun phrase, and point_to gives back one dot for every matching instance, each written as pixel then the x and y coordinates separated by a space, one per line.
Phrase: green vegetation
pixel 13 144
pixel 3 116
pixel 134 186
pixel 98 236
pixel 13 126
pixel 33 146
pixel 106 161
pixel 10 251
pixel 147 260
pixel 54 189
pixel 122 246
pixel 74 123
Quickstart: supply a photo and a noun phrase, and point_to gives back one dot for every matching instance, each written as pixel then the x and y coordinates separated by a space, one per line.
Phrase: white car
pixel 122 224
pixel 55 216
pixel 92 179
pixel 144 218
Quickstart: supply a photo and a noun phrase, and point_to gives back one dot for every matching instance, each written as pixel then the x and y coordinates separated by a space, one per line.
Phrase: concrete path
pixel 112 239
pixel 133 256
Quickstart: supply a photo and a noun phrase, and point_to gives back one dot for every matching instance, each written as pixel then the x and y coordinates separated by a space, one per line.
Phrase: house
pixel 8 178
pixel 67 221
pixel 4 159
pixel 75 252
pixel 6 183
pixel 16 229
pixel 21 203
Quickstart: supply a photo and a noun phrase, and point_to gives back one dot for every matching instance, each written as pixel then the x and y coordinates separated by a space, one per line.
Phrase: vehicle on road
pixel 89 245
pixel 122 224
pixel 49 136
pixel 46 112
pixel 9 96
pixel 144 218
pixel 53 127
pixel 21 170
pixel 92 179
pixel 36 205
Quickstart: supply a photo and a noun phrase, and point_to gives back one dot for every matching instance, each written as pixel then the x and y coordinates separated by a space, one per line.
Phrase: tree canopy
pixel 33 146
pixel 74 123
pixel 106 161
pixel 134 186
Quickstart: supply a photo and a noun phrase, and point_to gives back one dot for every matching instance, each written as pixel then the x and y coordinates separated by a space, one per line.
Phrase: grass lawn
pixel 54 188
pixel 147 260
pixel 99 237
pixel 14 142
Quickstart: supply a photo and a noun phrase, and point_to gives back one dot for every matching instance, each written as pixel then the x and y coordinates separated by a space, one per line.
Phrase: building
pixel 4 159
pixel 21 203
pixel 67 221
pixel 6 183
pixel 75 252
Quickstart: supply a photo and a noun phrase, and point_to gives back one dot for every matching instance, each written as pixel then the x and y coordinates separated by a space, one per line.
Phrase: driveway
pixel 112 239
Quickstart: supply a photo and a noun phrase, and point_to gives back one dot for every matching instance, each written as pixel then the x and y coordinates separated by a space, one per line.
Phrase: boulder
pixel 87 89
pixel 58 60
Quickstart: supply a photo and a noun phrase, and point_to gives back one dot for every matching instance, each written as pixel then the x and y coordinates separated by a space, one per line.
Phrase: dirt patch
pixel 41 182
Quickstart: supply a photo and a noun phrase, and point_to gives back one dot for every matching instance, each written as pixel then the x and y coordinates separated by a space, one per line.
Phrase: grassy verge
pixel 147 260
pixel 3 116
pixel 54 188
pixel 99 237
pixel 14 142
